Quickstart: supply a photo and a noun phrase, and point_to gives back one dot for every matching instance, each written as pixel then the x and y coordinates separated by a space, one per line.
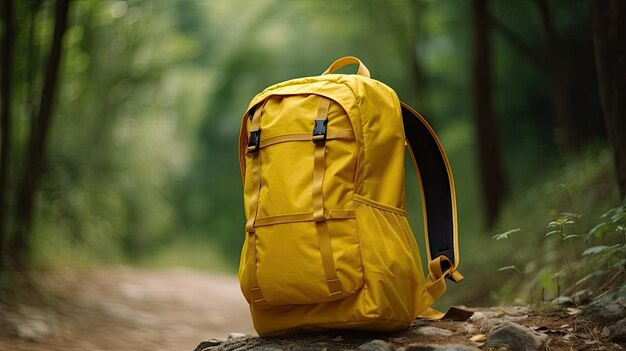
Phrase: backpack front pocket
pixel 289 266
pixel 302 245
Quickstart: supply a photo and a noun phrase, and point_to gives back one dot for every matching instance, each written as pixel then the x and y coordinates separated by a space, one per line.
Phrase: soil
pixel 131 309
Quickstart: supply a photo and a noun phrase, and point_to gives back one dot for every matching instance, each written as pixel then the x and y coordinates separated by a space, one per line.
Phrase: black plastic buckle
pixel 254 141
pixel 319 131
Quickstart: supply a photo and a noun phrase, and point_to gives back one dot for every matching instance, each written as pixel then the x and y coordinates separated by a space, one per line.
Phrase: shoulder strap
pixel 438 200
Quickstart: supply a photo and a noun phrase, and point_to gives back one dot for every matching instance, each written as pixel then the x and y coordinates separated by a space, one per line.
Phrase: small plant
pixel 608 256
pixel 561 227
pixel 508 235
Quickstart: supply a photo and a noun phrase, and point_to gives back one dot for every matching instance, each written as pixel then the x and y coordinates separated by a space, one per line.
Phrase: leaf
pixel 572 236
pixel 478 338
pixel 620 264
pixel 589 276
pixel 573 311
pixel 572 214
pixel 508 268
pixel 558 274
pixel 594 250
pixel 506 234
pixel 550 233
pixel 598 230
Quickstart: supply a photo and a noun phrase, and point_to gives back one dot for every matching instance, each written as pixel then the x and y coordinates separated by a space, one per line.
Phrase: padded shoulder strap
pixel 438 200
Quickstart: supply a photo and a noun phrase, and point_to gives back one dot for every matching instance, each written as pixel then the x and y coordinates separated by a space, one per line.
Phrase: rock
pixel 416 347
pixel 399 340
pixel 236 335
pixel 515 337
pixel 604 312
pixel 376 345
pixel 238 343
pixel 564 301
pixel 268 347
pixel 322 345
pixel 207 344
pixel 617 332
pixel 432 331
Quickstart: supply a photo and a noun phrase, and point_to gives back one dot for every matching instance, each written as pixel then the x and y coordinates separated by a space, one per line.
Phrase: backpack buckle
pixel 319 131
pixel 254 141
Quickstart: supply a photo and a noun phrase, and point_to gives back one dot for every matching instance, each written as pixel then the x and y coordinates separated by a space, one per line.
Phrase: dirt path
pixel 130 309
pixel 139 310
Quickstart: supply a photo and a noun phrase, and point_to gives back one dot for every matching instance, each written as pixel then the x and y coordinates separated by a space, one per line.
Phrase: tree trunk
pixel 566 135
pixel 5 117
pixel 25 196
pixel 609 35
pixel 492 175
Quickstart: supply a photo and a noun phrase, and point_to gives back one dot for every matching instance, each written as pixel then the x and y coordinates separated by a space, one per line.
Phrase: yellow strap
pixel 453 313
pixel 344 61
pixel 323 233
pixel 302 217
pixel 339 134
pixel 256 296
pixel 436 280
pixel 255 291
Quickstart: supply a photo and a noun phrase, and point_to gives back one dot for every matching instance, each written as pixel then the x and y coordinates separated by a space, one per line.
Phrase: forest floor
pixel 133 309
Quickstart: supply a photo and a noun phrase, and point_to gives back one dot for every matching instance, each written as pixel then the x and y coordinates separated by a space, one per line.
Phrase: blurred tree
pixel 492 174
pixel 20 245
pixel 558 82
pixel 609 29
pixel 8 37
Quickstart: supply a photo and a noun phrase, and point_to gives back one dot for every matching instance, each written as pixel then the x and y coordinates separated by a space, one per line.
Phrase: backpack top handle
pixel 348 60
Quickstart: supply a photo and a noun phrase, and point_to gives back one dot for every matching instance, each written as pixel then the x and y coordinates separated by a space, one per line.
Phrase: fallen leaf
pixel 478 338
pixel 573 311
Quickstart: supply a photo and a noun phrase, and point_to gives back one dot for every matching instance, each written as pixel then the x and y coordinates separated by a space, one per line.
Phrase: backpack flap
pixel 438 201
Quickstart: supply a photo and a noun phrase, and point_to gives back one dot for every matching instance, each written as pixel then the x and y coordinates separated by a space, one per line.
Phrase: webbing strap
pixel 255 291
pixel 303 217
pixel 438 200
pixel 339 134
pixel 323 232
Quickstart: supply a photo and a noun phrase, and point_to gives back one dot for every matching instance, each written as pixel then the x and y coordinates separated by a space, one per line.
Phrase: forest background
pixel 119 122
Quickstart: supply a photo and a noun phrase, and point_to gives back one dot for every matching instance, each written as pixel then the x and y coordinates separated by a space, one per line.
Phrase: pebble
pixel 455 347
pixel 322 345
pixel 206 344
pixel 515 337
pixel 376 345
pixel 432 331
pixel 604 312
pixel 236 335
pixel 617 332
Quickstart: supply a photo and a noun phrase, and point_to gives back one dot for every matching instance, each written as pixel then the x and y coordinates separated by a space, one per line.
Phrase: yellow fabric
pixel 339 202
pixel 340 134
pixel 348 60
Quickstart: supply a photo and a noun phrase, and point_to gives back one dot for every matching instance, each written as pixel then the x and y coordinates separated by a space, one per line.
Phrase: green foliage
pixel 142 160
pixel 600 263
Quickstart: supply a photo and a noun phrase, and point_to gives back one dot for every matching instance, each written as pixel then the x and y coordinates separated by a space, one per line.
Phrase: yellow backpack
pixel 328 244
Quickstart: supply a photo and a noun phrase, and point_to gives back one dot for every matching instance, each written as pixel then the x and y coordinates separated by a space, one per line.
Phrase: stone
pixel 376 345
pixel 432 331
pixel 238 344
pixel 452 347
pixel 208 344
pixel 617 332
pixel 236 335
pixel 318 346
pixel 604 312
pixel 564 301
pixel 515 337
pixel 268 347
